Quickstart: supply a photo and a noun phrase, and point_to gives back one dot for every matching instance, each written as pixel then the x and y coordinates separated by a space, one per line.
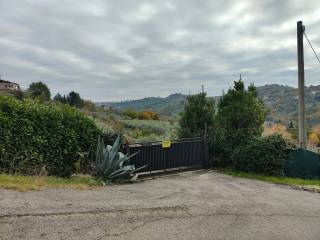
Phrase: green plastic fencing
pixel 303 164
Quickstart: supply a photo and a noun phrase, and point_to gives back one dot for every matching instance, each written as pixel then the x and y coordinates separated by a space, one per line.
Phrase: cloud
pixel 116 50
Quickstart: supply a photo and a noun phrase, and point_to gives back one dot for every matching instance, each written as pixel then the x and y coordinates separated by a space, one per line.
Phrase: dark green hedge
pixel 220 148
pixel 262 155
pixel 43 136
pixel 222 145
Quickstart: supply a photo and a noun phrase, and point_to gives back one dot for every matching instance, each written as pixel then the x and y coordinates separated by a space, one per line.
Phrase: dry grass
pixel 36 183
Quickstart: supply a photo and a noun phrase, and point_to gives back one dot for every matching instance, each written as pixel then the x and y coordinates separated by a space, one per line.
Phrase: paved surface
pixel 191 205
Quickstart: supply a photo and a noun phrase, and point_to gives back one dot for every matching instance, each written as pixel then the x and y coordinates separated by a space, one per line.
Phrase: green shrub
pixel 262 155
pixel 35 136
pixel 219 148
pixel 222 145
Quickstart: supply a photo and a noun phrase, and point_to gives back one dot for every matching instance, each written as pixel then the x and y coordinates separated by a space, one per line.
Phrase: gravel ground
pixel 190 205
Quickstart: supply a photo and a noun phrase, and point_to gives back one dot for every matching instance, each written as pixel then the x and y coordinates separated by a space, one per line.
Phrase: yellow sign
pixel 166 144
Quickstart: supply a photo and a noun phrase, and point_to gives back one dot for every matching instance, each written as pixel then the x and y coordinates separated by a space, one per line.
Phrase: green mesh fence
pixel 303 164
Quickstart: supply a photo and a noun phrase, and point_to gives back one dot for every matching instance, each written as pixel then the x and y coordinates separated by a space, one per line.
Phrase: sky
pixel 111 50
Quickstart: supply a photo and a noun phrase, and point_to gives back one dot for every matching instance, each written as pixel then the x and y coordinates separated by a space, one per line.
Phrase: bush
pixel 145 115
pixel 262 155
pixel 129 112
pixel 35 136
pixel 222 145
pixel 219 148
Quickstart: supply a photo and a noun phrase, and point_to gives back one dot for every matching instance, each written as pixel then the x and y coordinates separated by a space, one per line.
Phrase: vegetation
pixel 280 100
pixel 280 129
pixel 169 106
pixel 198 112
pixel 73 99
pixel 39 90
pixel 220 149
pixel 110 164
pixel 273 179
pixel 144 115
pixel 35 183
pixel 40 136
pixel 16 93
pixel 314 136
pixel 283 101
pixel 148 130
pixel 114 123
pixel 241 113
pixel 262 155
pixel 240 116
pixel 43 137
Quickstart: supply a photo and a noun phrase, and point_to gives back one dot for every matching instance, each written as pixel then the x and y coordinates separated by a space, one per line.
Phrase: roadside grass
pixel 35 183
pixel 278 180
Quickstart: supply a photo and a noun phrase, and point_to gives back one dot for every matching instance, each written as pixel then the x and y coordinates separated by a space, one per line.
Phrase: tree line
pixel 235 126
pixel 41 92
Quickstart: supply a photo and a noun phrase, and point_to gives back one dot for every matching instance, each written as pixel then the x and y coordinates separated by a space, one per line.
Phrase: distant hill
pixel 168 106
pixel 282 102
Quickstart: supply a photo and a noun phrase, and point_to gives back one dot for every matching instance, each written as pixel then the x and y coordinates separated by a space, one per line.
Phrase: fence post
pixel 205 147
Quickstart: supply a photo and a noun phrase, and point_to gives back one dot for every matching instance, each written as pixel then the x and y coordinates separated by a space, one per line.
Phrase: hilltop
pixel 168 106
pixel 282 102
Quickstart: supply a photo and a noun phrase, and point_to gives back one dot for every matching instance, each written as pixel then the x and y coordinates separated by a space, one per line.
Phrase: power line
pixel 311 46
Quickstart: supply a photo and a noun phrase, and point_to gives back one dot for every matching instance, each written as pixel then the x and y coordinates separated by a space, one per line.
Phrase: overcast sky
pixel 117 50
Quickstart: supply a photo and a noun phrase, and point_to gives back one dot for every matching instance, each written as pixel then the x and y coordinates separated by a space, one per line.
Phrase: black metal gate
pixel 184 153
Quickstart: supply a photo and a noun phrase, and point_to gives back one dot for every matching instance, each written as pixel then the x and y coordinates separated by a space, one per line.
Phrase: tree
pixel 18 94
pixel 130 113
pixel 147 115
pixel 74 99
pixel 40 91
pixel 60 98
pixel 313 139
pixel 198 111
pixel 144 115
pixel 253 90
pixel 241 113
pixel 240 117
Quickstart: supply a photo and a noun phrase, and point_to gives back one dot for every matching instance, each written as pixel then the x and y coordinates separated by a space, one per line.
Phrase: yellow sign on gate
pixel 166 143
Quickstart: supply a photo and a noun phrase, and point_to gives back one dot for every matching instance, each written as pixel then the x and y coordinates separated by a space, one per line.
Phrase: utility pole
pixel 302 117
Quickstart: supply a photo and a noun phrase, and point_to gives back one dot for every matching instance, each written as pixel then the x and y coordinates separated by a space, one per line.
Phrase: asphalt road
pixel 191 205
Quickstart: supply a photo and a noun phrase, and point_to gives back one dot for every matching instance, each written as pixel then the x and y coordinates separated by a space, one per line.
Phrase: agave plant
pixel 110 164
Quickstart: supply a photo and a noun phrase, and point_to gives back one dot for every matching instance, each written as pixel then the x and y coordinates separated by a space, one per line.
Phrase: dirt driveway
pixel 190 205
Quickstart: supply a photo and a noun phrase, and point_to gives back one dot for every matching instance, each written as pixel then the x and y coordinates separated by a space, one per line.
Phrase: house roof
pixel 5 81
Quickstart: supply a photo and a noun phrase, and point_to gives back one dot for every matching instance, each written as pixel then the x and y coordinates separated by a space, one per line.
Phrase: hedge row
pixel 262 155
pixel 37 137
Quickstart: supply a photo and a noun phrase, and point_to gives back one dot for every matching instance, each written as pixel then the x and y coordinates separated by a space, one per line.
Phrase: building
pixel 6 85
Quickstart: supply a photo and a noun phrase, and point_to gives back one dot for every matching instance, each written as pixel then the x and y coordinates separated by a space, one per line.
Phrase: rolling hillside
pixel 282 102
pixel 169 106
